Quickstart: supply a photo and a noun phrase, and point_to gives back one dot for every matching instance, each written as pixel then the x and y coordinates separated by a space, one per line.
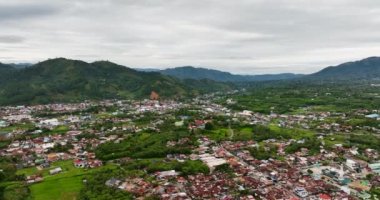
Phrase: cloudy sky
pixel 240 36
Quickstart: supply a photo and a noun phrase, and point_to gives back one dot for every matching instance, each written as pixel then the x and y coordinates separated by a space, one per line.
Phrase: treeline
pixel 11 184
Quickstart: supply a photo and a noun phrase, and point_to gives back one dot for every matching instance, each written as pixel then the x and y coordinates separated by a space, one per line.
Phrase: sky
pixel 239 36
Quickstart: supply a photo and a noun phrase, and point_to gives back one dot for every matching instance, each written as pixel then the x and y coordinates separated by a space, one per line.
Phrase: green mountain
pixel 189 72
pixel 64 80
pixel 366 69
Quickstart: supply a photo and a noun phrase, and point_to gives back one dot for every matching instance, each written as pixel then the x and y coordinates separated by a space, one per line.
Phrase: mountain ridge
pixel 366 68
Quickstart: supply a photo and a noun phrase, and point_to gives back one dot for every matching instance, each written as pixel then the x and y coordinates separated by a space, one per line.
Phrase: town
pixel 206 150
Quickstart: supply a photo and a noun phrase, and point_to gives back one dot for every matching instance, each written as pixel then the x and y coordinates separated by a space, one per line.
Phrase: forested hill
pixel 365 69
pixel 64 80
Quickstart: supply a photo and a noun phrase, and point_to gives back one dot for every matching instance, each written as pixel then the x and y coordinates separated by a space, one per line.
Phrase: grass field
pixel 63 186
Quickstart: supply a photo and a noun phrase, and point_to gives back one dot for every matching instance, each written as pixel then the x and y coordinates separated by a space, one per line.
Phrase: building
pixel 375 167
pixel 55 171
pixel 154 95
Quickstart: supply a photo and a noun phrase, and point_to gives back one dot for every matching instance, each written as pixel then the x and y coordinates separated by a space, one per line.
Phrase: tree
pixel 209 126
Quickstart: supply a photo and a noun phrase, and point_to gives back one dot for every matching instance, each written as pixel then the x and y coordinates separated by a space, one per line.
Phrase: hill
pixel 365 69
pixel 64 80
pixel 189 72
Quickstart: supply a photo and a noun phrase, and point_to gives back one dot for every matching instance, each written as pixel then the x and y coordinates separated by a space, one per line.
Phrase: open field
pixel 63 186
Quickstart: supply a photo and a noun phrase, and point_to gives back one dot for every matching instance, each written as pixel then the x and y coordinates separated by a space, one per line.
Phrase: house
pixel 52 157
pixel 33 179
pixel 49 122
pixel 301 192
pixel 94 163
pixel 324 197
pixel 55 171
pixel 165 174
pixel 113 182
pixel 375 167
pixel 80 163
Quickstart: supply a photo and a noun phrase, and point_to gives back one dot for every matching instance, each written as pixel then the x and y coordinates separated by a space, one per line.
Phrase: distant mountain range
pixel 363 69
pixel 64 80
pixel 189 72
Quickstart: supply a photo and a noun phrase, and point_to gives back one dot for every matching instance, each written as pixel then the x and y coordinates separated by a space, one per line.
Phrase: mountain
pixel 64 80
pixel 146 69
pixel 189 72
pixel 365 69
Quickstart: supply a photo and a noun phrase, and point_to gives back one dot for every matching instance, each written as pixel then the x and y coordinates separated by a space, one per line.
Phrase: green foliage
pixel 11 187
pixel 144 145
pixel 61 148
pixel 261 133
pixel 209 126
pixel 95 188
pixel 14 191
pixel 264 152
pixel 290 96
pixel 8 171
pixel 225 168
pixel 363 142
pixel 313 145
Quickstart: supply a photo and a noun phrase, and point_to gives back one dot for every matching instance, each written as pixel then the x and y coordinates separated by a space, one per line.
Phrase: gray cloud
pixel 25 11
pixel 242 36
pixel 11 39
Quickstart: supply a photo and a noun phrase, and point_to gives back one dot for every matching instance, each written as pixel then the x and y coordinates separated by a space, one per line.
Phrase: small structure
pixel 301 192
pixel 375 167
pixel 165 174
pixel 373 116
pixel 113 182
pixel 55 171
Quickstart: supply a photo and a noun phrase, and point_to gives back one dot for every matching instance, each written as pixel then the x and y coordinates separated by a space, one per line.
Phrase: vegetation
pixel 63 80
pixel 261 133
pixel 303 96
pixel 94 188
pixel 264 152
pixel 145 145
pixel 11 187
pixel 65 185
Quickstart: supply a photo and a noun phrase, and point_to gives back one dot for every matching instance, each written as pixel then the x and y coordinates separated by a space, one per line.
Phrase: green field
pixel 63 186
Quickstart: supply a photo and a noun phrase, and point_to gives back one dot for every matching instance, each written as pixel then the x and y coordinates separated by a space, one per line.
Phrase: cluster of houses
pixel 296 176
